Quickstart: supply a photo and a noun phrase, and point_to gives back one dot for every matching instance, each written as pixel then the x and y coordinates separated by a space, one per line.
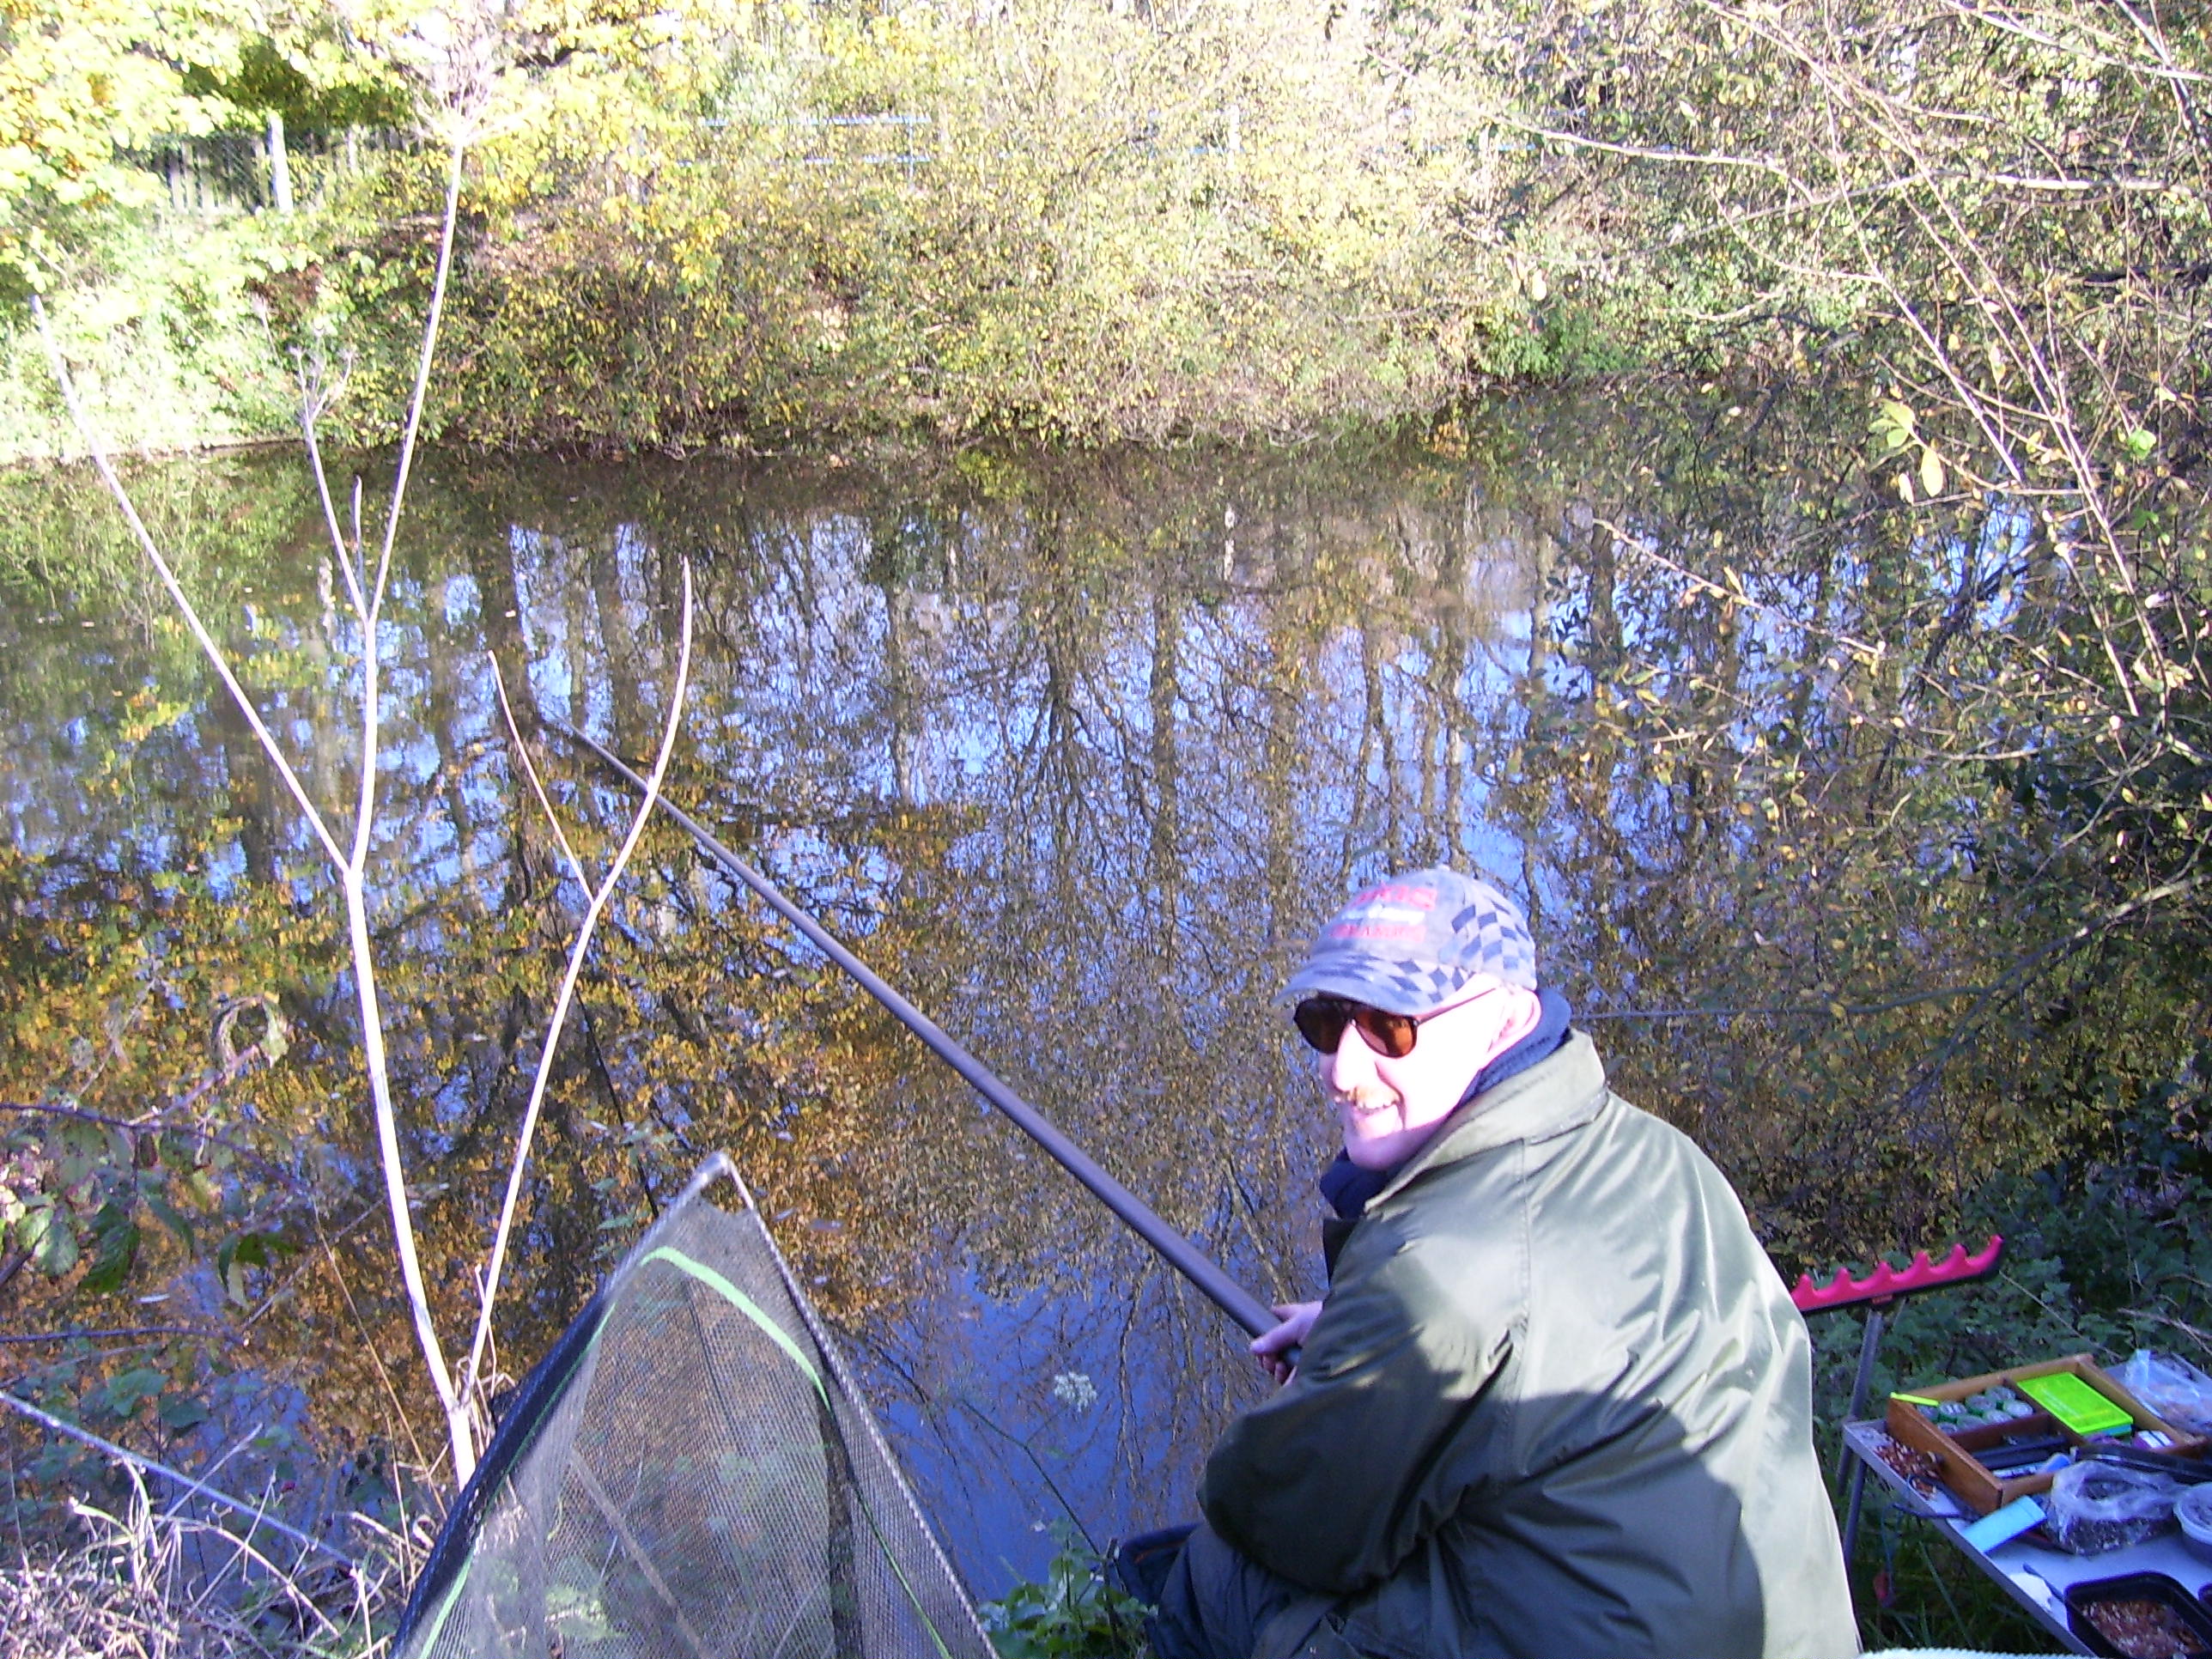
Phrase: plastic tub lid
pixel 2193 1508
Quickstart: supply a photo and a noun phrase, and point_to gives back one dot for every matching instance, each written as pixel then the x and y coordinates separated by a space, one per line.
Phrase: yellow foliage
pixel 1064 219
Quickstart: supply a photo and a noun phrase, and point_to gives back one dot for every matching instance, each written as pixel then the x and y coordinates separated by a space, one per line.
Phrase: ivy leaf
pixel 85 1152
pixel 1892 427
pixel 181 1413
pixel 170 1217
pixel 115 1247
pixel 231 1271
pixel 127 1393
pixel 277 1038
pixel 247 1251
pixel 48 1234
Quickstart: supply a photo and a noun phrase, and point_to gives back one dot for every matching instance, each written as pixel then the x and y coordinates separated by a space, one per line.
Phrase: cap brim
pixel 1366 983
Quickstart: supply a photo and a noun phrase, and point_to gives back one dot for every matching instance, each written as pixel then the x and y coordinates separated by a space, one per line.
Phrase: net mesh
pixel 691 1473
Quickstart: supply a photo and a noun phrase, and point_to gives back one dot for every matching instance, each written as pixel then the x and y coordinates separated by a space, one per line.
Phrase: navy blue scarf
pixel 1348 1188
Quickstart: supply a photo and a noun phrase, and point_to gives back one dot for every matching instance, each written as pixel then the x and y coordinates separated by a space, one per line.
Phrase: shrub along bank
pixel 1083 225
pixel 746 225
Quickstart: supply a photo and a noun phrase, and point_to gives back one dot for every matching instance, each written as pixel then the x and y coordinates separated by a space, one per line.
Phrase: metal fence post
pixel 280 165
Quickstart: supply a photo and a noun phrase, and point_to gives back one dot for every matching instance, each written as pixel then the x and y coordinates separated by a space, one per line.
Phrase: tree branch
pixel 566 996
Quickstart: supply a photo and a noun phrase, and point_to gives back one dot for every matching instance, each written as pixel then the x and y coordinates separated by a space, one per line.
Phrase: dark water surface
pixel 1078 752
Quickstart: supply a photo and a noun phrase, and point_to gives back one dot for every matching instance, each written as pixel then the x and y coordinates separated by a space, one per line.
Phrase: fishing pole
pixel 1174 1248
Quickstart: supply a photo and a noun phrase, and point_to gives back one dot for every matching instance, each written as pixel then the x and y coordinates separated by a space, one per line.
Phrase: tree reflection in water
pixel 1075 751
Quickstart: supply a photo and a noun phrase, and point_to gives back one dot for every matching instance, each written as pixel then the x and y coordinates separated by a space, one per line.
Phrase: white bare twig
pixel 89 436
pixel 566 997
pixel 536 785
pixel 368 598
pixel 421 393
pixel 366 592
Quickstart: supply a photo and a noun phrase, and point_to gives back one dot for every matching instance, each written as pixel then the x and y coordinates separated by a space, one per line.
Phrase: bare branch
pixel 1641 548
pixel 159 1123
pixel 310 413
pixel 421 394
pixel 208 649
pixel 88 1334
pixel 566 996
pixel 123 1455
pixel 1647 152
pixel 530 768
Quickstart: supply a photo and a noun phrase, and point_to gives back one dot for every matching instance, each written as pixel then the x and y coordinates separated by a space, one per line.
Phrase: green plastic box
pixel 2075 1403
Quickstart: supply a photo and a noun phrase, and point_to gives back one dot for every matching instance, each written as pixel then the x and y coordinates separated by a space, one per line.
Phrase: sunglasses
pixel 1321 1021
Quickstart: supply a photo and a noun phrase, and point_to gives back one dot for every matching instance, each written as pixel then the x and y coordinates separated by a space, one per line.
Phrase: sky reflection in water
pixel 1076 753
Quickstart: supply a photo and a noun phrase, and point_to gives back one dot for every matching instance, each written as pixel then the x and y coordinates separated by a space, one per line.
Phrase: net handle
pixel 1177 1251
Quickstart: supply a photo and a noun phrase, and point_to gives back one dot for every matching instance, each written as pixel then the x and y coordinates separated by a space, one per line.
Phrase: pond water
pixel 1078 752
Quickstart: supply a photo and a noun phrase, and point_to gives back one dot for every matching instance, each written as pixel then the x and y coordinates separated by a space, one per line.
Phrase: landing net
pixel 690 1473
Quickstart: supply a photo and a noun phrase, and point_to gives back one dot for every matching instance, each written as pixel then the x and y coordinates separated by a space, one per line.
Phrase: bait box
pixel 2155 1587
pixel 1964 1473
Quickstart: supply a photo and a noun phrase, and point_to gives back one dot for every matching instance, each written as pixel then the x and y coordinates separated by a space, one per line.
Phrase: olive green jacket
pixel 1557 1403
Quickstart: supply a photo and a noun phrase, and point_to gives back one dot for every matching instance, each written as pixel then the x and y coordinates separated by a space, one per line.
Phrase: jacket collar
pixel 1561 1092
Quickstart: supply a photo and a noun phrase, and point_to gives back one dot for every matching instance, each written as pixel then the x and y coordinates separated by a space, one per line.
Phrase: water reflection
pixel 1077 753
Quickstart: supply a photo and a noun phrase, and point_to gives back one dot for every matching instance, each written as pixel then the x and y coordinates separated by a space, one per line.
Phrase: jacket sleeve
pixel 1394 1418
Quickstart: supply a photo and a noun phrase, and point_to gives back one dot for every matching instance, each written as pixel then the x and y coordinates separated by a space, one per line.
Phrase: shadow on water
pixel 1076 752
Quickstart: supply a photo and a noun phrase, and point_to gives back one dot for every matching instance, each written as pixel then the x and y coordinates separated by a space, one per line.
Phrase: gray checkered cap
pixel 1410 944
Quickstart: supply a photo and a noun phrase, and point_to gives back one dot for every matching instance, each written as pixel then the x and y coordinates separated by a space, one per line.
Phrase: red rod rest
pixel 1885 1281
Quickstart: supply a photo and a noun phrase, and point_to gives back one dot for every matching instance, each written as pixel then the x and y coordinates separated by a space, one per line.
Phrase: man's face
pixel 1388 1107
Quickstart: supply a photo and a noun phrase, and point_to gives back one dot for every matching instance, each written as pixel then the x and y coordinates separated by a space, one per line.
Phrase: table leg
pixel 1860 1383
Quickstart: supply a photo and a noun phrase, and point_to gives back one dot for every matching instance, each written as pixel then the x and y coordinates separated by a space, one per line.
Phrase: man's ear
pixel 1520 1012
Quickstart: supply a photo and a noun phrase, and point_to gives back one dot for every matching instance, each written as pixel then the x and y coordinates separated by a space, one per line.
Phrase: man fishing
pixel 1556 1401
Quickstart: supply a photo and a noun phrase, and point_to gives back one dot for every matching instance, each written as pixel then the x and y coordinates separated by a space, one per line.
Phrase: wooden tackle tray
pixel 1963 1471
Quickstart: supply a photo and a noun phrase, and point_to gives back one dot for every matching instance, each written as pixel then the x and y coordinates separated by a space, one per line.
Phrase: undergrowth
pixel 146 1583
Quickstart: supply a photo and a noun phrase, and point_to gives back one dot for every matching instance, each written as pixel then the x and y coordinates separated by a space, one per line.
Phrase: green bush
pixel 1076 1612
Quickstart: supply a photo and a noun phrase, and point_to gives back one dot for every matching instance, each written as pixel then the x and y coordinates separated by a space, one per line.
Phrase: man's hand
pixel 1272 1349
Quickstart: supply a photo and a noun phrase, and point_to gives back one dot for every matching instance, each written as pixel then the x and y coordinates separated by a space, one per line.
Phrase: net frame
pixel 888 1586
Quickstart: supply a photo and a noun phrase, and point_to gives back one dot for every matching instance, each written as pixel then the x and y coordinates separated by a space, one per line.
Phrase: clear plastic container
pixel 2193 1509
